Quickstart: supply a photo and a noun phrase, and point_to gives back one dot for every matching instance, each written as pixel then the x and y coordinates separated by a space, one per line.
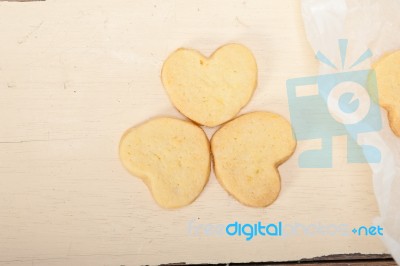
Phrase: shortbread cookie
pixel 387 71
pixel 247 152
pixel 171 156
pixel 210 90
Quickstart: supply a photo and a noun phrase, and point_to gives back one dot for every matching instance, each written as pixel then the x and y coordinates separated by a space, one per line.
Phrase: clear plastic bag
pixel 372 25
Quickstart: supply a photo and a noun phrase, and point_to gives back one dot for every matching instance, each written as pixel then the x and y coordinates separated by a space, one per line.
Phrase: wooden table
pixel 74 75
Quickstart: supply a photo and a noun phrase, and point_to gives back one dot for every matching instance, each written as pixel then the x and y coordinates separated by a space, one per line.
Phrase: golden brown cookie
pixel 171 156
pixel 247 152
pixel 387 71
pixel 210 90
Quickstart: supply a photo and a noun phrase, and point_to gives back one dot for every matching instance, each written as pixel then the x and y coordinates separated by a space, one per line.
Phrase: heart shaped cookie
pixel 387 71
pixel 247 152
pixel 210 90
pixel 171 156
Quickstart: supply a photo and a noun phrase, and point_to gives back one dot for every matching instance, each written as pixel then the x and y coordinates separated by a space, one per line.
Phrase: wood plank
pixel 74 75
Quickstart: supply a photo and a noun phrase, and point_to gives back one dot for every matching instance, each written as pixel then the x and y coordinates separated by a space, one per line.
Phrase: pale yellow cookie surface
pixel 210 90
pixel 387 71
pixel 247 152
pixel 171 156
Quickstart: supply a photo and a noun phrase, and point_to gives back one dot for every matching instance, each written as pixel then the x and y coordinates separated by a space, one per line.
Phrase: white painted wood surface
pixel 74 75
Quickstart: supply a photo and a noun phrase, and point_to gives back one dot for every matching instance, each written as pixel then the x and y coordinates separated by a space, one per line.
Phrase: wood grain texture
pixel 21 0
pixel 74 75
pixel 330 260
pixel 350 263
